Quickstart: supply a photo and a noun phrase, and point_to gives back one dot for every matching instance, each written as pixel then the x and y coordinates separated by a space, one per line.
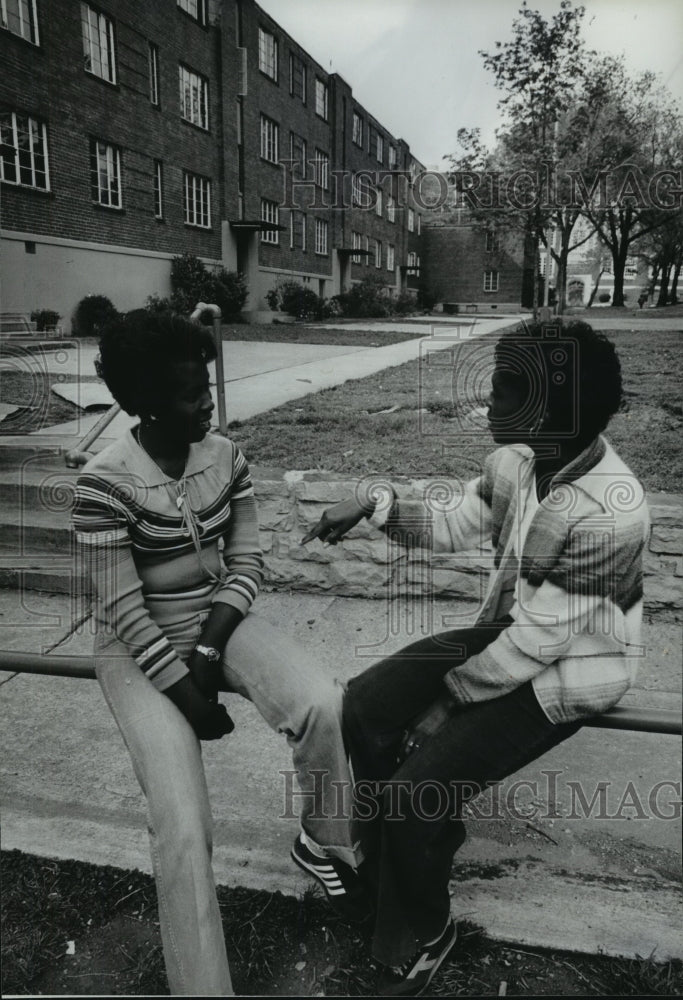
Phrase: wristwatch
pixel 210 652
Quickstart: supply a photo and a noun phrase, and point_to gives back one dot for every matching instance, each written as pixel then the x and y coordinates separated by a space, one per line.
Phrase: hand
pixel 206 675
pixel 336 522
pixel 425 725
pixel 209 720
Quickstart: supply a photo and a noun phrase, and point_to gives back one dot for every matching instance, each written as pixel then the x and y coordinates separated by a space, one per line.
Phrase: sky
pixel 415 64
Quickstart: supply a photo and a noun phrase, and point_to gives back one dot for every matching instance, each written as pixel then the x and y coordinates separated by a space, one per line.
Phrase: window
pixel 360 193
pixel 357 134
pixel 23 151
pixel 357 245
pixel 158 189
pixel 391 208
pixel 378 203
pixel 411 220
pixel 413 260
pixel 267 53
pixel 491 241
pixel 153 73
pixel 297 77
pixel 419 223
pixel 379 147
pixel 196 200
pixel 391 256
pixel 378 253
pixel 490 281
pixel 392 158
pixel 98 43
pixel 320 236
pixel 270 139
pixel 194 97
pixel 105 174
pixel 270 212
pixel 321 169
pixel 19 17
pixel 321 98
pixel 297 234
pixel 366 241
pixel 297 147
pixel 195 8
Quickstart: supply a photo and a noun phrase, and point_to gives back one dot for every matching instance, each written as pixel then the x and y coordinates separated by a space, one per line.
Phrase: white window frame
pixel 194 97
pixel 411 220
pixel 108 171
pixel 24 11
pixel 491 245
pixel 321 98
pixel 391 257
pixel 158 189
pixel 321 168
pixel 197 200
pixel 491 280
pixel 154 74
pixel 357 245
pixel 270 212
pixel 270 140
pixel 379 202
pixel 297 215
pixel 379 147
pixel 293 60
pixel 321 237
pixel 99 47
pixel 294 136
pixel 357 129
pixel 391 208
pixel 378 253
pixel 419 223
pixel 37 136
pixel 393 160
pixel 367 248
pixel 268 53
pixel 195 8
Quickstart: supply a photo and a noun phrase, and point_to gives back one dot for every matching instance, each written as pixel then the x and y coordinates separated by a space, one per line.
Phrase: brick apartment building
pixel 130 133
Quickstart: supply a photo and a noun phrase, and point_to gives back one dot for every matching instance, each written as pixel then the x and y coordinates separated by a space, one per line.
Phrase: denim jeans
pixel 296 698
pixel 413 826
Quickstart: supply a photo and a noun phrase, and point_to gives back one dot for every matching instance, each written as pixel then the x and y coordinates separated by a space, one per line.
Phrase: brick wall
pixel 365 564
pixel 455 258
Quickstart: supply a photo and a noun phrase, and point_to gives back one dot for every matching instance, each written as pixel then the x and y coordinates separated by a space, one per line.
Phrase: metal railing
pixel 80 455
pixel 641 720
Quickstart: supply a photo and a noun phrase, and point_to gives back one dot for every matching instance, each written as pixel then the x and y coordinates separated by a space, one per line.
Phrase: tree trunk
pixel 618 268
pixel 673 292
pixel 595 288
pixel 663 296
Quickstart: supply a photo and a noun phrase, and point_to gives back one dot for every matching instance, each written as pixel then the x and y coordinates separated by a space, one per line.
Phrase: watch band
pixel 210 652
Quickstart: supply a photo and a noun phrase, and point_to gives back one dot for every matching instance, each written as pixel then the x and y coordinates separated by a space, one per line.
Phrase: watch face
pixel 212 654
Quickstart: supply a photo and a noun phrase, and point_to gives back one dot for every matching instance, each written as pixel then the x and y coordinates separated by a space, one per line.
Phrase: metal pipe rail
pixel 639 720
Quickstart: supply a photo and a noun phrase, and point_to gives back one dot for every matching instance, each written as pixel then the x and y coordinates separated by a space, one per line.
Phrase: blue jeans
pixel 296 698
pixel 413 826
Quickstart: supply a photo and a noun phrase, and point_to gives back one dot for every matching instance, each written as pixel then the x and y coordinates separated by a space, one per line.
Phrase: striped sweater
pixel 575 595
pixel 134 526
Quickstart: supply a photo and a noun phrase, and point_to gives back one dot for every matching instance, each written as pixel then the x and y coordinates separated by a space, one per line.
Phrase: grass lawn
pixel 76 929
pixel 419 422
pixel 308 333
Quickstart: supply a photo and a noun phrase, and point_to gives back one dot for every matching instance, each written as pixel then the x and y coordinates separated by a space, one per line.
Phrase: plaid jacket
pixel 578 609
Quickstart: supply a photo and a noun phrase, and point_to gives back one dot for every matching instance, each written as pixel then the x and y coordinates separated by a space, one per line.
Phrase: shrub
pixel 91 314
pixel 427 297
pixel 369 298
pixel 296 300
pixel 45 319
pixel 192 282
pixel 404 304
pixel 604 297
pixel 155 303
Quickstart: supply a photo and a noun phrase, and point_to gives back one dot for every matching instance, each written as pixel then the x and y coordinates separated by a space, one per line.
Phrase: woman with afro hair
pixel 167 521
pixel 556 639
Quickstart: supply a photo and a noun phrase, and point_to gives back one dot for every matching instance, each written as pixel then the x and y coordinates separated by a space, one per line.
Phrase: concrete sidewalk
pixel 529 873
pixel 261 376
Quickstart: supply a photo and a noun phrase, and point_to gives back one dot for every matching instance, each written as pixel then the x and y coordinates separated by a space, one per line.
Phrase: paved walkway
pixel 582 883
pixel 261 376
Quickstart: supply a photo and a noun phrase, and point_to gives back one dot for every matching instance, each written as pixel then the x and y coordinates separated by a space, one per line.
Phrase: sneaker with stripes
pixel 413 977
pixel 341 885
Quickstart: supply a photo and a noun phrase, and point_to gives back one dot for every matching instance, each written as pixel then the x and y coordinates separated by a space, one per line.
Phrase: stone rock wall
pixel 366 564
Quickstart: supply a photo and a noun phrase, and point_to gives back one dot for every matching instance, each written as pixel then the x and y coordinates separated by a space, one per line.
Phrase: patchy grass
pixel 307 333
pixel 419 421
pixel 277 945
